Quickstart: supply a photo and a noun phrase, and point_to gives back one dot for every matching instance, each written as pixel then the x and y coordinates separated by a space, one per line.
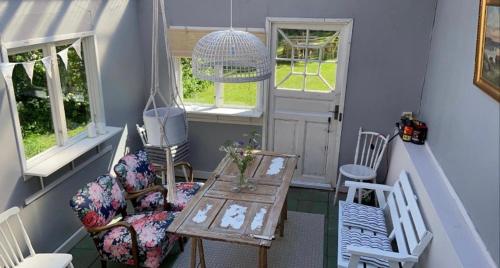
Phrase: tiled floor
pixel 303 200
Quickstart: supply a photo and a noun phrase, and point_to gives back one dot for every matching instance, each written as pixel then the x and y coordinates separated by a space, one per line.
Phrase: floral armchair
pixel 139 239
pixel 138 176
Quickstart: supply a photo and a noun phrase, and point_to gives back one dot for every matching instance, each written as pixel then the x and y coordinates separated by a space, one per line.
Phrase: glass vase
pixel 243 183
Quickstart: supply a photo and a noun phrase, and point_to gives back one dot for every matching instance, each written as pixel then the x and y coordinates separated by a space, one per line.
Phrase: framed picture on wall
pixel 487 70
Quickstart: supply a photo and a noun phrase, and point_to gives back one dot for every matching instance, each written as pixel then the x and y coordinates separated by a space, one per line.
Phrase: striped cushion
pixel 364 217
pixel 355 238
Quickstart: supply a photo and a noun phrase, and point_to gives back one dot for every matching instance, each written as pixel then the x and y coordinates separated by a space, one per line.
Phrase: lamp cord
pixel 231 15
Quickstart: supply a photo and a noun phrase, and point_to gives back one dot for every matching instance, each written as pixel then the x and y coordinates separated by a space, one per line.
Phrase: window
pixel 75 92
pixel 33 104
pixel 207 93
pixel 54 107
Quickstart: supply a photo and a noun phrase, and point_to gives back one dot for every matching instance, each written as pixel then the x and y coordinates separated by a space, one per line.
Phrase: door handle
pixel 337 115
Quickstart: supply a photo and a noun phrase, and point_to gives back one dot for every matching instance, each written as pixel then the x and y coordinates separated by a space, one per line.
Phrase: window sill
pixel 241 116
pixel 68 154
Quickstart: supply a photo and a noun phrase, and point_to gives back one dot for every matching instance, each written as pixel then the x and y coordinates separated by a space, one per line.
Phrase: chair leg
pixel 375 194
pixel 71 265
pixel 339 179
pixel 104 264
pixel 360 195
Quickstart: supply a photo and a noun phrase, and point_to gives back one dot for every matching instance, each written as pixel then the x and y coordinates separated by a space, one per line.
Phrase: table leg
pixel 193 252
pixel 202 253
pixel 262 257
pixel 285 208
pixel 282 223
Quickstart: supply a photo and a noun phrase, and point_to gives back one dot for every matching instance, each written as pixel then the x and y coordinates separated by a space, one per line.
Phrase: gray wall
pixel 206 138
pixel 49 220
pixel 463 121
pixel 389 50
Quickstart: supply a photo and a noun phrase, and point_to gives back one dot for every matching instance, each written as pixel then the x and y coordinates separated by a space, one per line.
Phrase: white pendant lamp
pixel 231 56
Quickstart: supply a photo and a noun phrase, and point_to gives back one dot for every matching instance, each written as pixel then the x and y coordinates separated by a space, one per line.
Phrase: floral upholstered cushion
pixel 154 201
pixel 98 202
pixel 152 239
pixel 135 172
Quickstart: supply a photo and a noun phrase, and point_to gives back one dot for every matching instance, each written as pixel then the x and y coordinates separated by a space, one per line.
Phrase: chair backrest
pixel 409 228
pixel 370 148
pixel 11 245
pixel 98 202
pixel 135 172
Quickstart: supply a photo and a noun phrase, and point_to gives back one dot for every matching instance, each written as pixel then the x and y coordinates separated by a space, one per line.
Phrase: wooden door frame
pixel 341 82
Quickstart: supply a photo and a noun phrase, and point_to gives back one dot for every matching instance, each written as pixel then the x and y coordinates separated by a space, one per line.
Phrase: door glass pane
pixel 75 92
pixel 195 91
pixel 314 83
pixel 240 94
pixel 285 78
pixel 293 82
pixel 297 37
pixel 309 53
pixel 33 104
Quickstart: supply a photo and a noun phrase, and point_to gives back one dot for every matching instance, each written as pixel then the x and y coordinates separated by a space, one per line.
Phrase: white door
pixel 306 96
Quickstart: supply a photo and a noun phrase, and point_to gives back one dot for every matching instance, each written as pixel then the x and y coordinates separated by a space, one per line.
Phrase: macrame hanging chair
pixel 164 118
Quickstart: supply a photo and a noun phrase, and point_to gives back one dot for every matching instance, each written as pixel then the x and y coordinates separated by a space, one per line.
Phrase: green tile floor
pixel 299 199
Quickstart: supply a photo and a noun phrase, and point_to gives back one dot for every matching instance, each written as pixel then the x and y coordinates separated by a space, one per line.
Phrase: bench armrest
pixel 378 188
pixel 390 256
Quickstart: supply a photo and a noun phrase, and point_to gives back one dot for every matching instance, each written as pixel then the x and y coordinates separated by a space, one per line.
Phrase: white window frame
pixel 182 41
pixel 48 45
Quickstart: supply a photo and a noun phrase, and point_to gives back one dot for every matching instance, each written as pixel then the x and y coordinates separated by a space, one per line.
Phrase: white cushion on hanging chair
pixel 175 125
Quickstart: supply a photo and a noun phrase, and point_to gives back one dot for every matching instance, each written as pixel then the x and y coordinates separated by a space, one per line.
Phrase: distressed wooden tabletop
pixel 217 213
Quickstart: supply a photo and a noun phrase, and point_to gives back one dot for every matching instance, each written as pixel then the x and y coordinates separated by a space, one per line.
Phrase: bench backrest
pixel 409 229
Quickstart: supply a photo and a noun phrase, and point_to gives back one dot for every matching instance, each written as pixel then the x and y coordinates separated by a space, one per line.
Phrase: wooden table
pixel 248 217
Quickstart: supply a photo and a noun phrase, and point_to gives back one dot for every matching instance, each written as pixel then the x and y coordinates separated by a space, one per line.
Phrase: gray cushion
pixel 355 238
pixel 364 217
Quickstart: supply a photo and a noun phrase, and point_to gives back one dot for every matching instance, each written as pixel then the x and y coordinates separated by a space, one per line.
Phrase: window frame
pixel 48 46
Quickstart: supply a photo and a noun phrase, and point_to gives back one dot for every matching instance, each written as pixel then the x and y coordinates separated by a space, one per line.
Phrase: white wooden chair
pixel 408 230
pixel 366 160
pixel 11 248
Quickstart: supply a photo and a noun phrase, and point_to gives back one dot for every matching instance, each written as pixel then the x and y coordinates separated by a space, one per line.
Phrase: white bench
pixel 362 243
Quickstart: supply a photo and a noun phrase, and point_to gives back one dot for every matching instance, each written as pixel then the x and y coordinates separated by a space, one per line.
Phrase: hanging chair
pixel 164 119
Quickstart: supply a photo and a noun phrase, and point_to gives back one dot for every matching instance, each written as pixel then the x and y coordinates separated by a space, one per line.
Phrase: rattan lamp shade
pixel 231 56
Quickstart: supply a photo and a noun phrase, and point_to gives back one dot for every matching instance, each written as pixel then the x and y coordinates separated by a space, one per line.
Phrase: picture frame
pixel 487 63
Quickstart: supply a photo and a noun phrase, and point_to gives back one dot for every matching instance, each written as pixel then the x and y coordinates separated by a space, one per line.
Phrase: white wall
pixel 455 242
pixel 50 220
pixel 464 122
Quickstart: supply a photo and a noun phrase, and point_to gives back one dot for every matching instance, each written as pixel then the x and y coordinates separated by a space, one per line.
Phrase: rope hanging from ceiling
pixel 164 118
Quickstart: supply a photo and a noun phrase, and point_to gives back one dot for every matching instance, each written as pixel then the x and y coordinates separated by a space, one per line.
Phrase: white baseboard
pixel 311 185
pixel 72 241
